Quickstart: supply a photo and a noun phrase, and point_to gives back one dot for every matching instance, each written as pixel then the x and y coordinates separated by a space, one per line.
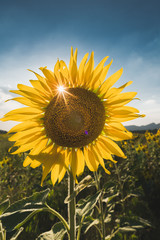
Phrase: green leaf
pixel 56 233
pixel 137 226
pixel 15 236
pixel 95 222
pixel 127 229
pixel 114 232
pixel 108 218
pixel 144 222
pixel 134 222
pixel 108 199
pixel 4 205
pixel 79 187
pixel 21 211
pixel 129 196
pixel 84 206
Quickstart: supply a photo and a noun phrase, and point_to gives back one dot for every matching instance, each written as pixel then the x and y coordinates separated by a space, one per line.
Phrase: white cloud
pixel 4 96
pixel 150 107
pixel 150 102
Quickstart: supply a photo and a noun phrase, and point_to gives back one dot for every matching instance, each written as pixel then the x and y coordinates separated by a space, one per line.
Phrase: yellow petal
pixel 33 97
pixel 27 132
pixel 28 139
pixel 110 81
pixel 75 55
pixel 81 70
pixel 43 82
pixel 24 126
pixel 64 69
pixel 47 168
pixel 73 72
pixel 48 161
pixel 57 168
pixel 24 101
pixel 38 86
pixel 121 99
pixel 117 135
pixel 25 111
pixel 61 174
pixel 27 161
pixel 99 78
pixel 88 69
pixel 55 173
pixel 90 159
pixel 112 146
pixel 73 67
pixel 119 126
pixel 123 110
pixel 124 118
pixel 22 118
pixel 65 167
pixel 59 76
pixel 99 158
pixel 81 162
pixel 114 91
pixel 103 151
pixel 41 146
pixel 35 164
pixel 25 88
pixel 49 75
pixel 48 149
pixel 101 64
pixel 27 147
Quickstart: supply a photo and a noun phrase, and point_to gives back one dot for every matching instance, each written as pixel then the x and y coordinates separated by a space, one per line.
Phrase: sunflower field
pixel 124 204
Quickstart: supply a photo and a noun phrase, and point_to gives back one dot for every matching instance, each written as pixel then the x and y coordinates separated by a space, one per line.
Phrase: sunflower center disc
pixel 74 118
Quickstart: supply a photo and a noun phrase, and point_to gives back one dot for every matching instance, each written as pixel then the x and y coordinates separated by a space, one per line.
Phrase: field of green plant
pixel 124 204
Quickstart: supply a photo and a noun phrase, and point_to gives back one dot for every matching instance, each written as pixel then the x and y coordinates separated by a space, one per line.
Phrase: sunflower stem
pixel 72 207
pixel 57 214
pixel 100 207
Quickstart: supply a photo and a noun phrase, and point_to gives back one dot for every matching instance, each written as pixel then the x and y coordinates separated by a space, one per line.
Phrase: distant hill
pixel 3 132
pixel 151 126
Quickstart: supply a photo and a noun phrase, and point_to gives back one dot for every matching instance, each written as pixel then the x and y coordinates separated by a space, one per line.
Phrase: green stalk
pixel 2 232
pixel 79 229
pixel 72 207
pixel 120 187
pixel 54 212
pixel 100 207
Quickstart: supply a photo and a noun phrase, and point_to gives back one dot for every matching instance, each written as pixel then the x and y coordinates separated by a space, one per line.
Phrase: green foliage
pixel 19 212
pixel 124 205
pixel 85 206
pixel 4 205
pixel 56 233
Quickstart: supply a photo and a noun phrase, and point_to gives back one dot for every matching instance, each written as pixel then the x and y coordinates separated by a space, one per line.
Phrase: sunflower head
pixel 72 117
pixel 75 118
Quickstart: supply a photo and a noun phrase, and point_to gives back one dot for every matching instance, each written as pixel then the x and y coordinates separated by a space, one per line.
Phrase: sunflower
pixel 72 118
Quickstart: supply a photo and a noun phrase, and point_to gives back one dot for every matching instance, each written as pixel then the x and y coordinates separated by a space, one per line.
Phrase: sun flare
pixel 61 89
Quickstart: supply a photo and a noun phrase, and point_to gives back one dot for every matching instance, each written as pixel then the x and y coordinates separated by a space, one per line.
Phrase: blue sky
pixel 35 33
